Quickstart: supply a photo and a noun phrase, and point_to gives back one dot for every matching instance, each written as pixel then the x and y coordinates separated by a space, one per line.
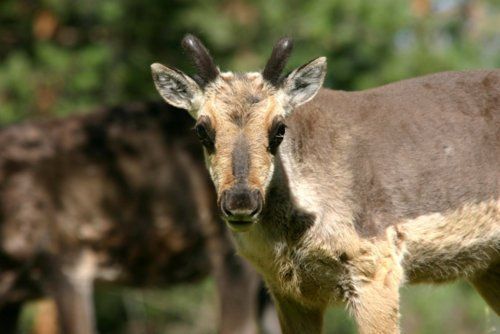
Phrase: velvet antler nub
pixel 207 70
pixel 277 61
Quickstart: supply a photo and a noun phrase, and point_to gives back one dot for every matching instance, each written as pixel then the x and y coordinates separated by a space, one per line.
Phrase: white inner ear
pixel 305 82
pixel 176 88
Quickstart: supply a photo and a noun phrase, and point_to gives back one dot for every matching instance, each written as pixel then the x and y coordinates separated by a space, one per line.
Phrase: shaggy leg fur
pixel 296 318
pixel 376 308
pixel 488 286
pixel 374 300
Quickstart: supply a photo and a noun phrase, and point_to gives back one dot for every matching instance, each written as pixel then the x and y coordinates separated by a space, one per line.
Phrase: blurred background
pixel 63 57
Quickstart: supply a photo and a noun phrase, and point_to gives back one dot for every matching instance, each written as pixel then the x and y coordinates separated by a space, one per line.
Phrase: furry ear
pixel 303 83
pixel 177 88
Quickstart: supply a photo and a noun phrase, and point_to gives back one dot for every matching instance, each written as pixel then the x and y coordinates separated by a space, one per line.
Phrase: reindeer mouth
pixel 240 224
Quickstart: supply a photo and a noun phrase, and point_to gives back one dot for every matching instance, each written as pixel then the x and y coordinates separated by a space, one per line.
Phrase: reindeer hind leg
pixel 488 286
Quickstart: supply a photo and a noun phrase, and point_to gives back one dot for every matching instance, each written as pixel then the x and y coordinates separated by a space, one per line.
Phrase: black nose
pixel 241 202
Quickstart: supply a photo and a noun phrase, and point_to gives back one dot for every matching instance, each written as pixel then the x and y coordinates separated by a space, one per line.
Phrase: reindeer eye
pixel 205 133
pixel 276 135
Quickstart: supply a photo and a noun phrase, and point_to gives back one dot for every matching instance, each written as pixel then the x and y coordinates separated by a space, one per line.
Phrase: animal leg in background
pixel 72 288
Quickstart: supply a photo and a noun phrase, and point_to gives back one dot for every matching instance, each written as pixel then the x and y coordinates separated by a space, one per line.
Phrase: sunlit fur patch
pixel 446 245
pixel 241 106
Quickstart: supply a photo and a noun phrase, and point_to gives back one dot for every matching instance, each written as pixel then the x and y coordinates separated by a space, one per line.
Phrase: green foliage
pixel 454 308
pixel 60 57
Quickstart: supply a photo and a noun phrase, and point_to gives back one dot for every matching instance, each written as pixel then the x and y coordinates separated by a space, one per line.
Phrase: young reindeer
pixel 367 189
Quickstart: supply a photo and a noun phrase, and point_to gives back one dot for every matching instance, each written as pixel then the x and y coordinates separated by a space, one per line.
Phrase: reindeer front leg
pixel 375 280
pixel 376 308
pixel 296 318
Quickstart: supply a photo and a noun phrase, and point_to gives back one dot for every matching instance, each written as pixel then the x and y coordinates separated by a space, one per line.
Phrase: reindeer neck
pixel 281 216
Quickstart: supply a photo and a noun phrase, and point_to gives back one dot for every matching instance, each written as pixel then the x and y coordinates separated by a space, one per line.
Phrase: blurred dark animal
pixel 122 196
pixel 367 189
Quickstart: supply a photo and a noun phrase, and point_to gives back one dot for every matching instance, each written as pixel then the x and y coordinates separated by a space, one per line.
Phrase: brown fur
pixel 120 195
pixel 232 104
pixel 369 190
pixel 421 165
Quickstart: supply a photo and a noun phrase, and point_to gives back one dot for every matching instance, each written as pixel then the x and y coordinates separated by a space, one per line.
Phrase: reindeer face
pixel 240 120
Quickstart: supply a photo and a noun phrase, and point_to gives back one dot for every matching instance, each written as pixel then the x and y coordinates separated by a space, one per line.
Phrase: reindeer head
pixel 240 120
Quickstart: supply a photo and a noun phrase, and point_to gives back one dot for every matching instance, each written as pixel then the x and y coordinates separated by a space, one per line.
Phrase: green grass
pixel 453 308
